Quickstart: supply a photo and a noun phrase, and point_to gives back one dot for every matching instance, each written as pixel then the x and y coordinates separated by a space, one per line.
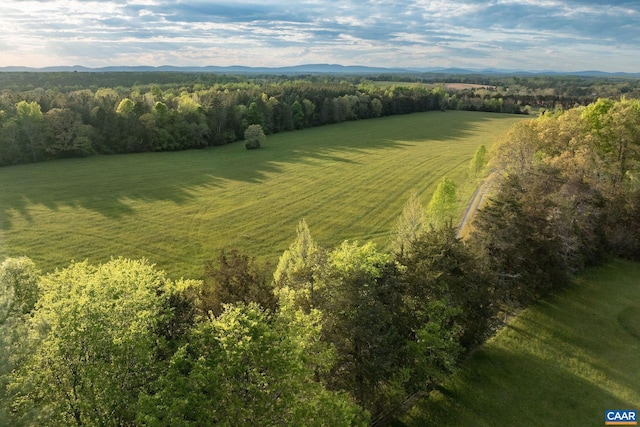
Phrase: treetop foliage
pixel 244 368
pixel 410 225
pixel 92 342
pixel 105 113
pixel 18 287
pixel 444 203
pixel 567 196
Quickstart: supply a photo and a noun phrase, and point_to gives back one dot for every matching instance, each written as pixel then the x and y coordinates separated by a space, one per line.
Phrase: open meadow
pixel 562 362
pixel 349 181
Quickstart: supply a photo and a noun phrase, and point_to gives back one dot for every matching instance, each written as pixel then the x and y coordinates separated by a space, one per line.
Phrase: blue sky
pixel 561 35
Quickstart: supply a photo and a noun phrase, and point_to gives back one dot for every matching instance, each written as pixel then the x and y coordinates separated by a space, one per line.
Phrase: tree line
pixel 331 336
pixel 536 90
pixel 80 114
pixel 40 124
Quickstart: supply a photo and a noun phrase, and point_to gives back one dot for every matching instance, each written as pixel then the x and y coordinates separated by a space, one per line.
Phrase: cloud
pixel 421 33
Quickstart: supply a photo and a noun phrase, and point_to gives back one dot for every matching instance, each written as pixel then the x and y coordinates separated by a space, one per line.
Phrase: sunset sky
pixel 559 35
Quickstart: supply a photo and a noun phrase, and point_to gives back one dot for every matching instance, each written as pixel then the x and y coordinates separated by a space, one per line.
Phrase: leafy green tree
pixel 18 295
pixel 249 368
pixel 187 104
pixel 298 115
pixel 274 113
pixel 444 203
pixel 10 149
pixel 617 138
pixel 126 108
pixel 434 351
pixel 220 113
pixel 191 127
pixel 376 107
pixel 324 115
pixel 360 310
pixel 161 112
pixel 197 133
pixel 91 343
pixel 410 224
pixel 235 278
pixel 439 271
pixel 107 98
pixel 515 153
pixel 254 116
pixel 397 327
pixel 30 121
pixel 158 130
pixel 127 122
pixel 358 292
pixel 18 287
pixel 309 111
pixel 68 136
pixel 478 161
pixel 518 238
pixel 148 131
pixel 254 137
pixel 301 267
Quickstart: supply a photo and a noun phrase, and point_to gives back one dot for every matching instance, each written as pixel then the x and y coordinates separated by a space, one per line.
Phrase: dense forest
pixel 56 115
pixel 333 336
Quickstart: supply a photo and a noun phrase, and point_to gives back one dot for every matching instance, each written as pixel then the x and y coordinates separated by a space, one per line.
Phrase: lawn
pixel 349 181
pixel 562 362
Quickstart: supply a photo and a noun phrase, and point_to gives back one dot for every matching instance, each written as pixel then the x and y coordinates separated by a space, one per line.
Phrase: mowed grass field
pixel 349 181
pixel 562 362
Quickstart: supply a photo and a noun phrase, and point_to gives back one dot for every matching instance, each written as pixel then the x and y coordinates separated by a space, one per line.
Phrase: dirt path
pixel 476 202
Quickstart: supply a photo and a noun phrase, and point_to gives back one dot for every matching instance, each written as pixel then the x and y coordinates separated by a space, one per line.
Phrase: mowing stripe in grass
pixel 350 181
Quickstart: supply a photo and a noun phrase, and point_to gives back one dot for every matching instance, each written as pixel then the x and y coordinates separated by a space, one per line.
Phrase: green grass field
pixel 349 181
pixel 562 362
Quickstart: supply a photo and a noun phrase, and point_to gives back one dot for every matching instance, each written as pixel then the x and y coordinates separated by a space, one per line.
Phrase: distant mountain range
pixel 313 69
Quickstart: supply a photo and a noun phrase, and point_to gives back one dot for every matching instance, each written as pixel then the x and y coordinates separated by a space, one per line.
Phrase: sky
pixel 558 35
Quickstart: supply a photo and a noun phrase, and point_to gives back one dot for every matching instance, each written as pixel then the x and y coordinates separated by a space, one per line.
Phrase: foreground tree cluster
pixel 341 336
pixel 568 194
pixel 335 337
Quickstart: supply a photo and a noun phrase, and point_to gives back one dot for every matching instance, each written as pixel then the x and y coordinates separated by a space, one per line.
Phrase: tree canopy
pixel 444 204
pixel 92 342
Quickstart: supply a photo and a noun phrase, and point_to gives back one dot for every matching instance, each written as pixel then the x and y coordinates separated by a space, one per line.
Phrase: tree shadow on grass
pixel 107 184
pixel 564 362
pixel 500 387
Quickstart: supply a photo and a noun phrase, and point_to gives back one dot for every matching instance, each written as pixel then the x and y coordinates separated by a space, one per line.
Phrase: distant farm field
pixel 562 362
pixel 452 86
pixel 349 181
pixel 462 86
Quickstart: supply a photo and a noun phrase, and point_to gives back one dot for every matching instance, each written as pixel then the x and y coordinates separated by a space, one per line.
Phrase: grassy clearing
pixel 562 362
pixel 349 181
